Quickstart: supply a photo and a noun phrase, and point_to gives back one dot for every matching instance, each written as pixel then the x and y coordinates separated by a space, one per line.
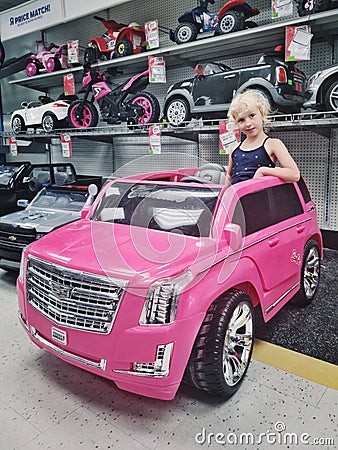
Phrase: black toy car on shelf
pixel 306 7
pixel 209 93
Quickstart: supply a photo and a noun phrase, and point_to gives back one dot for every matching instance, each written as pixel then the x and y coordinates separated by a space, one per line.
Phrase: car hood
pixel 43 221
pixel 136 254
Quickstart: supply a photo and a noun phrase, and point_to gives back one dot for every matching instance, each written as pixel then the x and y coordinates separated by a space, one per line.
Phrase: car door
pixel 212 92
pixel 273 225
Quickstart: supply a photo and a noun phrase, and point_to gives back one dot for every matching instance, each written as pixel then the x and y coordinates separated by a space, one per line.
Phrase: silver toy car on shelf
pixel 322 90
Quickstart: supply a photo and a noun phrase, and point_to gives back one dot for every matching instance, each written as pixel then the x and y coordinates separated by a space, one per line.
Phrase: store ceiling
pixel 7 4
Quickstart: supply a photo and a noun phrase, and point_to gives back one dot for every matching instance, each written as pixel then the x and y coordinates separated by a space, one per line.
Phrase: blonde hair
pixel 246 101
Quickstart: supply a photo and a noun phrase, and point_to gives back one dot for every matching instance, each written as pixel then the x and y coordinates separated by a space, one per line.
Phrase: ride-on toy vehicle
pixel 46 113
pixel 306 7
pixel 50 58
pixel 231 17
pixel 322 90
pixel 118 40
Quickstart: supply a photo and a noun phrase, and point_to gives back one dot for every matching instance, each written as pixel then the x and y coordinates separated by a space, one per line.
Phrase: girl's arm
pixel 288 171
pixel 228 176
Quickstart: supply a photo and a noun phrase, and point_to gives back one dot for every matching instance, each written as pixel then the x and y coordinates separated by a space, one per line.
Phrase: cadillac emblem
pixel 12 238
pixel 59 290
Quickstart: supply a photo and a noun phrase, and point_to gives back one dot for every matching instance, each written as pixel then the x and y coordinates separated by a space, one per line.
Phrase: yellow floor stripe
pixel 290 361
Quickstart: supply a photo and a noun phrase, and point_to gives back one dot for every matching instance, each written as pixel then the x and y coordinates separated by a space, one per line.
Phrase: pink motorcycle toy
pixel 50 58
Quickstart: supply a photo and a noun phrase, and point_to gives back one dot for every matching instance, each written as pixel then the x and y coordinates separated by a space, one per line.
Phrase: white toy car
pixel 321 91
pixel 45 113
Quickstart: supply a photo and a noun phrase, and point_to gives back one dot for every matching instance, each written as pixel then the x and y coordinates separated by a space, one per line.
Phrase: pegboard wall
pixel 316 155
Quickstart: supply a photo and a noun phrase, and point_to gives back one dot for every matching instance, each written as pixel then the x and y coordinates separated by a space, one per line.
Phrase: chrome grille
pixel 72 298
pixel 16 239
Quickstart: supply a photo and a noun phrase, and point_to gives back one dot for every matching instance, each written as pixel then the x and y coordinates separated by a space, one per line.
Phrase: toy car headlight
pixel 22 267
pixel 313 78
pixel 162 299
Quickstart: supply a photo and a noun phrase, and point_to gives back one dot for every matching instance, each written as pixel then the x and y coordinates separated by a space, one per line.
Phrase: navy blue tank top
pixel 246 162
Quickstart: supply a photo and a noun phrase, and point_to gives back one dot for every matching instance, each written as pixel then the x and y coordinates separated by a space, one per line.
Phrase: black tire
pixel 123 48
pixel 231 21
pixel 250 24
pixel 222 352
pixel 91 55
pixel 87 118
pixel 18 124
pixel 177 112
pixel 151 108
pixel 185 32
pixel 309 275
pixel 49 122
pixel 307 7
pixel 2 54
pixel 331 97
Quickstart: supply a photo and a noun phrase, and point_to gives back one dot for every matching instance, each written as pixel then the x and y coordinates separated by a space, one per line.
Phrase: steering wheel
pixel 44 99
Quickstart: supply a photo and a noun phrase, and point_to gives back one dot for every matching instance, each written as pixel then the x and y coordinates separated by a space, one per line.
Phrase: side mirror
pixel 233 236
pixel 24 104
pixel 23 203
pixel 92 189
pixel 199 69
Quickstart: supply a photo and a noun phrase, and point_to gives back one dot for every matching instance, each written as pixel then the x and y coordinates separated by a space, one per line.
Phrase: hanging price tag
pixel 298 43
pixel 13 146
pixel 66 145
pixel 281 8
pixel 73 51
pixel 68 84
pixel 227 138
pixel 157 73
pixel 154 139
pixel 152 35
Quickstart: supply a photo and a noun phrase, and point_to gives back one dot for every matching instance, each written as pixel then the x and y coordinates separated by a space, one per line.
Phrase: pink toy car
pixel 159 279
pixel 50 58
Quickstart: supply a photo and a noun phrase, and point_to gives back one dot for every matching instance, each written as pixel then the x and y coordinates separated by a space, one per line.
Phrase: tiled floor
pixel 46 403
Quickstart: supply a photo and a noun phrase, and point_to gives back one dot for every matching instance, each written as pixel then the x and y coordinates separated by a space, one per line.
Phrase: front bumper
pixel 146 360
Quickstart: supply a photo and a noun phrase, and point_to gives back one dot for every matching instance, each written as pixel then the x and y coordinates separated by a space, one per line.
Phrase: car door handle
pixel 273 242
pixel 300 229
pixel 226 77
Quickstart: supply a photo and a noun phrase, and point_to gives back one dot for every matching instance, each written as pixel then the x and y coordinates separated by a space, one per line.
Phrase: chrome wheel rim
pixel 16 126
pixel 176 113
pixel 237 346
pixel 311 272
pixel 48 124
pixel 334 98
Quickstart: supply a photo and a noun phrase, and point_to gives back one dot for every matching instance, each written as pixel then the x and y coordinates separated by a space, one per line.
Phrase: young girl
pixel 257 155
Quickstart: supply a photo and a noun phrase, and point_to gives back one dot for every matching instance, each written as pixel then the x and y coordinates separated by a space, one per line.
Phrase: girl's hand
pixel 259 172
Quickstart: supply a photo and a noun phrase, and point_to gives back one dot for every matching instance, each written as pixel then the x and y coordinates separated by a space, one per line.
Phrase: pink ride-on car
pixel 158 281
pixel 50 58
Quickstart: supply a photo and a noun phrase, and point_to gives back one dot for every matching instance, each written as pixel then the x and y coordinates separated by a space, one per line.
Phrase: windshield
pixel 60 200
pixel 175 209
pixel 6 173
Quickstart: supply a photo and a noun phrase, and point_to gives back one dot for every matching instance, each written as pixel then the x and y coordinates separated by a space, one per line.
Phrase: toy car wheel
pixel 185 32
pixel 223 347
pixel 2 54
pixel 49 122
pixel 91 55
pixel 82 115
pixel 306 7
pixel 310 273
pixel 231 21
pixel 32 69
pixel 250 24
pixel 331 97
pixel 150 106
pixel 177 112
pixel 53 64
pixel 18 124
pixel 123 48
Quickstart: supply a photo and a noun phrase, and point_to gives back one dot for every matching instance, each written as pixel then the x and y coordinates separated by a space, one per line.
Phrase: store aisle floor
pixel 49 404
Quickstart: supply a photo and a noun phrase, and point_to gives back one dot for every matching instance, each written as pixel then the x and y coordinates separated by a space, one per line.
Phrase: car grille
pixel 18 239
pixel 72 298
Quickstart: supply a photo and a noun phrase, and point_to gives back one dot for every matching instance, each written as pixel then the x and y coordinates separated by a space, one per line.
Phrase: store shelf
pixel 321 123
pixel 324 26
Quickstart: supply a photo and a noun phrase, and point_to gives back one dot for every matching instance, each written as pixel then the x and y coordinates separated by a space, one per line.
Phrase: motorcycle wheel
pixel 150 105
pixel 231 21
pixel 89 117
pixel 185 32
pixel 123 48
pixel 91 55
pixel 32 69
pixel 52 64
pixel 306 7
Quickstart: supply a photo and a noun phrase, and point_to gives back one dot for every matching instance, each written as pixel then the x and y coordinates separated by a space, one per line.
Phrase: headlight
pixel 22 267
pixel 161 303
pixel 313 78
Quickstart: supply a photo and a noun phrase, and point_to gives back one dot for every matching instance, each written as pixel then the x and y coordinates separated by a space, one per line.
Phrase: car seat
pixel 210 173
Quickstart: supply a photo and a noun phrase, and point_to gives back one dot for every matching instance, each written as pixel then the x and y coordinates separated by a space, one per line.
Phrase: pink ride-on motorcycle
pixel 117 103
pixel 118 40
pixel 50 58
